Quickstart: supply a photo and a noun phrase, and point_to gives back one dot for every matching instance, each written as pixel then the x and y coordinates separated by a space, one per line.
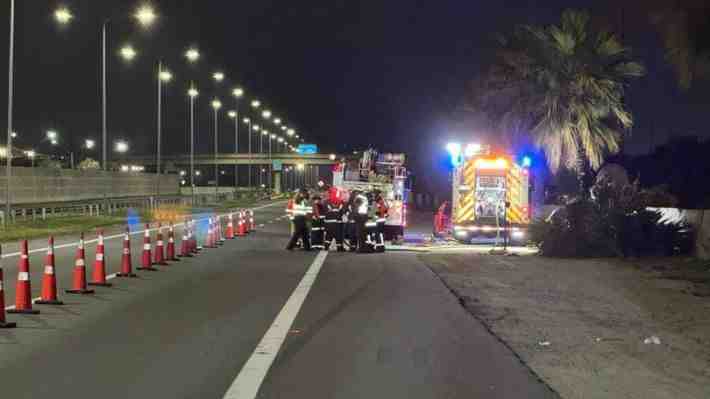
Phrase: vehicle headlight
pixel 518 234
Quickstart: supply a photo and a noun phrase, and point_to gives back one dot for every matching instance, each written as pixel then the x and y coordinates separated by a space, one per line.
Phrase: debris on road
pixel 544 343
pixel 652 340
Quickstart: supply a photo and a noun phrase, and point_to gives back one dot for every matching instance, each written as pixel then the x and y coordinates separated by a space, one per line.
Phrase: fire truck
pixel 385 172
pixel 491 196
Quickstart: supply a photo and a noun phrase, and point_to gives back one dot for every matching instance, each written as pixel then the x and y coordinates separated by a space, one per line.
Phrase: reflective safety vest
pixel 363 208
pixel 301 209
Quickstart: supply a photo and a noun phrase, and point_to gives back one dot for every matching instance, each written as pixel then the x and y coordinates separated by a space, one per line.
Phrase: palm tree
pixel 685 27
pixel 563 84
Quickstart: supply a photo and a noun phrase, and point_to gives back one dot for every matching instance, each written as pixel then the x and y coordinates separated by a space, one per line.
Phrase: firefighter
pixel 318 223
pixel 381 214
pixel 361 208
pixel 349 221
pixel 301 212
pixel 334 222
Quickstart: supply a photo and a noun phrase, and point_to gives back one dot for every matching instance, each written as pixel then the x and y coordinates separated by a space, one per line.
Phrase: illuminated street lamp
pixel 290 132
pixel 63 15
pixel 128 53
pixel 121 147
pixel 146 16
pixel 266 114
pixel 192 93
pixel 277 121
pixel 218 77
pixel 89 144
pixel 192 54
pixel 255 104
pixel 52 135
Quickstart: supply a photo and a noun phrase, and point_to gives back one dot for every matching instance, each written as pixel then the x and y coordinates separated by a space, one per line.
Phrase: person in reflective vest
pixel 361 208
pixel 318 224
pixel 301 212
pixel 381 214
pixel 334 224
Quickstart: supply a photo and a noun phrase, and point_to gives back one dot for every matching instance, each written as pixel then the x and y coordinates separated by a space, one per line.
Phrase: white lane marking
pixel 133 233
pixel 250 378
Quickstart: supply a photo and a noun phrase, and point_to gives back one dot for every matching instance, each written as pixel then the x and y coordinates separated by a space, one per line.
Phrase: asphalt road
pixel 366 326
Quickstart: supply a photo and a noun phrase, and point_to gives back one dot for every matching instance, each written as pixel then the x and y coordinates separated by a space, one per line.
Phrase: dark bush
pixel 614 221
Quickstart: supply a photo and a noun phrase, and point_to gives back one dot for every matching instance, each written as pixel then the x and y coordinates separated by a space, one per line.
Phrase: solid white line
pixel 252 375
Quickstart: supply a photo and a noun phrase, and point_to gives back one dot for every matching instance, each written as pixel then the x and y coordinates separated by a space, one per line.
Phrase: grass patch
pixel 57 226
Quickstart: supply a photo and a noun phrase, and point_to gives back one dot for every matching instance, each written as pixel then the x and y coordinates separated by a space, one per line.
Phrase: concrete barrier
pixel 39 185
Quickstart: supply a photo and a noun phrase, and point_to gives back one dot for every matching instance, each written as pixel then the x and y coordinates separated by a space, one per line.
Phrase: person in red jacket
pixel 381 214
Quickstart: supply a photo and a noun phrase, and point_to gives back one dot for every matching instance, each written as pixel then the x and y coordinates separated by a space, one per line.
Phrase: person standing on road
pixel 381 213
pixel 361 208
pixel 301 211
pixel 318 224
pixel 334 224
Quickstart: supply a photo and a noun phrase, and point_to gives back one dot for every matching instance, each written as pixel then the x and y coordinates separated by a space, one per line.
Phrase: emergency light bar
pixel 498 164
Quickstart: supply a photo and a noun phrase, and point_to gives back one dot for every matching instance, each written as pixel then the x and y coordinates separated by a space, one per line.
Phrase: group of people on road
pixel 355 223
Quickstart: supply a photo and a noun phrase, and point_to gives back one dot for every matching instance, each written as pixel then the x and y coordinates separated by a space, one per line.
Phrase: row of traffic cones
pixel 162 255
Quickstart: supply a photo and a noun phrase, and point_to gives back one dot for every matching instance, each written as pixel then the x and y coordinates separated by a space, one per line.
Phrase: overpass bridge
pixel 278 170
pixel 230 159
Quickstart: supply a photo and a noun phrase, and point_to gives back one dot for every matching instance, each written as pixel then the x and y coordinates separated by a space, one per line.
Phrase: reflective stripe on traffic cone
pixel 23 292
pixel 171 245
pixel 126 261
pixel 146 261
pixel 230 226
pixel 99 275
pixel 79 278
pixel 3 322
pixel 185 251
pixel 49 279
pixel 160 248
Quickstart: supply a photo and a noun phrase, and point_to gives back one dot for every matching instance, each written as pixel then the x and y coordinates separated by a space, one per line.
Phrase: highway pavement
pixel 250 319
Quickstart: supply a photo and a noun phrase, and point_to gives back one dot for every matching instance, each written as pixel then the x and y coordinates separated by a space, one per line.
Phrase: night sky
pixel 346 74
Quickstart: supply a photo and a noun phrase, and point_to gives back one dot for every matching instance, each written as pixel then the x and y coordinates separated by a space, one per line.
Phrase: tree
pixel 684 26
pixel 564 85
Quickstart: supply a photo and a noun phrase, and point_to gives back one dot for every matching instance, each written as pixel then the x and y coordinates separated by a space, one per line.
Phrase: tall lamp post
pixel 238 93
pixel 164 76
pixel 10 91
pixel 255 104
pixel 192 93
pixel 247 121
pixel 216 105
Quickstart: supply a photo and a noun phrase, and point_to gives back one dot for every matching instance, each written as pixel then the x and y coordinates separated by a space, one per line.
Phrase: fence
pixel 41 185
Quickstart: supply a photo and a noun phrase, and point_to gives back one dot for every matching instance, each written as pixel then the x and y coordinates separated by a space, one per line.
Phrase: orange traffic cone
pixel 146 261
pixel 241 226
pixel 171 244
pixel 49 280
pixel 230 226
pixel 126 262
pixel 160 248
pixel 3 322
pixel 23 292
pixel 79 285
pixel 100 264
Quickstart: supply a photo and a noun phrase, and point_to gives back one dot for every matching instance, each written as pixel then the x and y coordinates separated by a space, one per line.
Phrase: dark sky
pixel 391 74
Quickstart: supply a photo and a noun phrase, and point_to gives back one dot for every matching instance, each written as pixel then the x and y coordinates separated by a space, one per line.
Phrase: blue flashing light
pixel 454 150
pixel 527 162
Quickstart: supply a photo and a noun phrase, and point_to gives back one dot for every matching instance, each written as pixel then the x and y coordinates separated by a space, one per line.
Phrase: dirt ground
pixel 581 324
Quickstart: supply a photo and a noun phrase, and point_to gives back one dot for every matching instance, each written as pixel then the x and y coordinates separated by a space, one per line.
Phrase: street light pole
pixel 160 127
pixel 10 91
pixel 192 93
pixel 216 105
pixel 104 129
